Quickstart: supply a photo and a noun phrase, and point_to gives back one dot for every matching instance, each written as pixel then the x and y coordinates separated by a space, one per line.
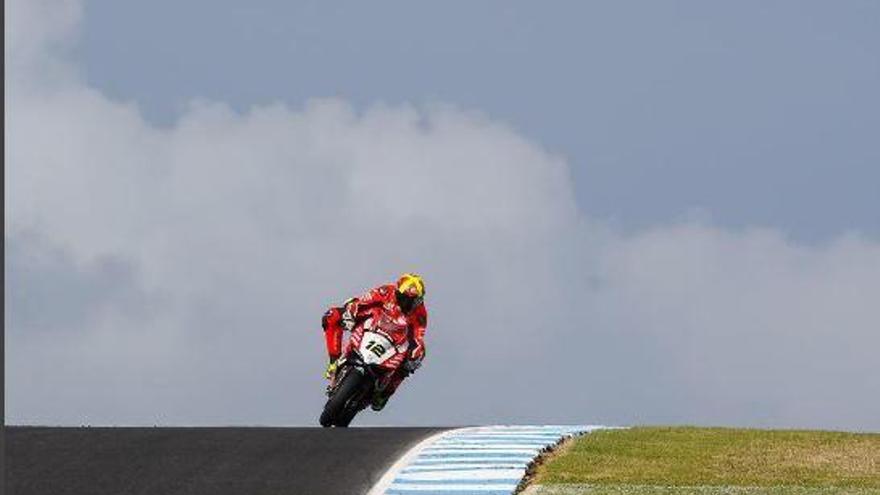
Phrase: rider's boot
pixel 330 374
pixel 379 401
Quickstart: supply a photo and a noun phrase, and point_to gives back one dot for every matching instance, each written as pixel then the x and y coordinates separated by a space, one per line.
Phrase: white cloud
pixel 234 232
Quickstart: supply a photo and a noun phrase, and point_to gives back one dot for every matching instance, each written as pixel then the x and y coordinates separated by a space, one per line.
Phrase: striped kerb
pixel 485 460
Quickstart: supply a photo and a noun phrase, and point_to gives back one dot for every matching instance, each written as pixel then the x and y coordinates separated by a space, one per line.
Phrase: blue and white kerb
pixel 486 460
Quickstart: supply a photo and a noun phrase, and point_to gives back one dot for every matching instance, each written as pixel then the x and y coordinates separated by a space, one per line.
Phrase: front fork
pixel 341 371
pixel 379 385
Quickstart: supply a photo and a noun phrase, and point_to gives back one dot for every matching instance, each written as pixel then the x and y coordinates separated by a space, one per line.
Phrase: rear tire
pixel 335 413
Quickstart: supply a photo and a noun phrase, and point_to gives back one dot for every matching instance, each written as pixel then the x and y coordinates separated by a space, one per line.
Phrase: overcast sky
pixel 751 112
pixel 625 212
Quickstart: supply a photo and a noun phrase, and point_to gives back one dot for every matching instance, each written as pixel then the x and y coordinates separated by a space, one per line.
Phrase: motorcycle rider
pixel 405 297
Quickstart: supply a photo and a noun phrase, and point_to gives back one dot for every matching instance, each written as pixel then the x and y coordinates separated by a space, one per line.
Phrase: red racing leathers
pixel 380 299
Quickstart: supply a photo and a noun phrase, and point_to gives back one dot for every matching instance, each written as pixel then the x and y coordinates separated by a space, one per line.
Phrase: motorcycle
pixel 376 350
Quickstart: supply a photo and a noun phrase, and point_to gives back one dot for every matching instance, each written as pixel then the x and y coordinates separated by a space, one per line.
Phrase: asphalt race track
pixel 215 461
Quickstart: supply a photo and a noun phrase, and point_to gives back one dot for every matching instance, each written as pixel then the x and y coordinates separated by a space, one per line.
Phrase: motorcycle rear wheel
pixel 335 412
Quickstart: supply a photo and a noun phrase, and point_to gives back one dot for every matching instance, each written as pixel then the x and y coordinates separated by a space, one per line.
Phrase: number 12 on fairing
pixel 376 348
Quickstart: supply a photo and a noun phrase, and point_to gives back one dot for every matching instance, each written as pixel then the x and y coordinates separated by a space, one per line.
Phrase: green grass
pixel 576 489
pixel 685 460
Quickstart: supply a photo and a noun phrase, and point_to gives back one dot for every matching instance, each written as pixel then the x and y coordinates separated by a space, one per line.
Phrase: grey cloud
pixel 50 292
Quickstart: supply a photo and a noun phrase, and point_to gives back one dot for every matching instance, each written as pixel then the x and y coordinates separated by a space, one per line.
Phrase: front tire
pixel 335 412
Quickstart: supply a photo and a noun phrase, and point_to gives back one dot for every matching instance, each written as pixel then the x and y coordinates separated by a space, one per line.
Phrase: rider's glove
pixel 347 316
pixel 347 321
pixel 410 365
pixel 331 369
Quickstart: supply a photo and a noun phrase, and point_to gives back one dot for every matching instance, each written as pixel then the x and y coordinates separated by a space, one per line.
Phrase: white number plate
pixel 376 348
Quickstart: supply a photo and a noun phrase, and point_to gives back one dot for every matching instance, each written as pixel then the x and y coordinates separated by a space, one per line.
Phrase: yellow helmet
pixel 410 291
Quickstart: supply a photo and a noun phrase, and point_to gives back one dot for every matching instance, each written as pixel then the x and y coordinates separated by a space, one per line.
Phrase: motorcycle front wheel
pixel 335 412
